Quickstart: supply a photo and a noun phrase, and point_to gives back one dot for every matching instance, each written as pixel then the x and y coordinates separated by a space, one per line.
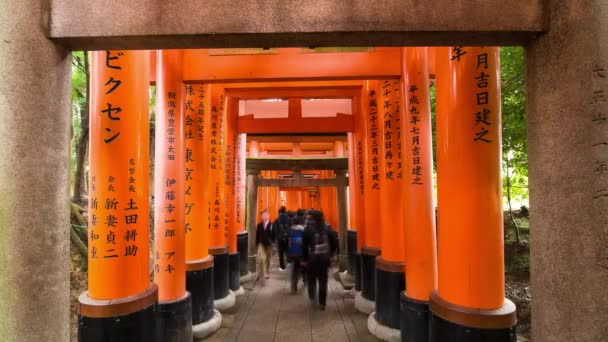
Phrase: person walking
pixel 294 250
pixel 281 225
pixel 264 238
pixel 318 246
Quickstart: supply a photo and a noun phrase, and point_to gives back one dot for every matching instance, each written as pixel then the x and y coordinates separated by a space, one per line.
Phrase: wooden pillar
pixel 390 265
pixel 119 199
pixel 241 199
pixel 342 227
pixel 371 249
pixel 359 147
pixel 199 264
pixel 419 212
pixel 174 309
pixel 230 176
pixel 216 188
pixel 252 214
pixel 471 287
pixel 352 176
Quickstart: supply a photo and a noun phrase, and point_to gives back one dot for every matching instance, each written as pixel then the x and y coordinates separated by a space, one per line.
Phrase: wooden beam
pixel 320 92
pixel 296 138
pixel 254 165
pixel 297 183
pixel 339 124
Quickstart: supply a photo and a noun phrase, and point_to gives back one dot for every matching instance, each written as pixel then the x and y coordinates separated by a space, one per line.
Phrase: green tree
pixel 514 133
pixel 80 121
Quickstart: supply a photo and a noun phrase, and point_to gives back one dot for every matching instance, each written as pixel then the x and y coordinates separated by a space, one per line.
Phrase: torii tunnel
pixel 348 133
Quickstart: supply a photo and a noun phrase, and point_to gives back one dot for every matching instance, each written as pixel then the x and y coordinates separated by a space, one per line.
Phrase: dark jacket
pixel 281 227
pixel 264 237
pixel 308 244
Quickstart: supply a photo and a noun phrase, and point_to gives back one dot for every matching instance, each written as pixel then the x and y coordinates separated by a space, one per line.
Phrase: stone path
pixel 272 313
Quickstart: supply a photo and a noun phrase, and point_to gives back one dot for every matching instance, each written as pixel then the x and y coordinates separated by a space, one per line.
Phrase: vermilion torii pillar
pixel 240 202
pixel 218 246
pixel 360 158
pixel 230 176
pixel 119 269
pixel 419 214
pixel 390 265
pixel 352 210
pixel 175 307
pixel 470 304
pixel 199 264
pixel 365 301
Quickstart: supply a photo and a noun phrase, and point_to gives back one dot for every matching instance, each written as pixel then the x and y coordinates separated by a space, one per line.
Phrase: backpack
pixel 295 243
pixel 320 250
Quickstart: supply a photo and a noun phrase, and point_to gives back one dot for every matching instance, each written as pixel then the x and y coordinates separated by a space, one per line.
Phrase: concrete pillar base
pixel 347 280
pixel 364 305
pixel 207 328
pixel 250 276
pixel 343 261
pixel 174 320
pixel 253 263
pixel 225 303
pixel 382 332
pixel 239 292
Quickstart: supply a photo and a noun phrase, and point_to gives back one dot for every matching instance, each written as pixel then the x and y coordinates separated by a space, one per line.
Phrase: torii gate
pixel 253 168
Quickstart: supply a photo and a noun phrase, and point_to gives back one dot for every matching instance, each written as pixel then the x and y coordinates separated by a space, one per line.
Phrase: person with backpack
pixel 281 224
pixel 318 245
pixel 294 250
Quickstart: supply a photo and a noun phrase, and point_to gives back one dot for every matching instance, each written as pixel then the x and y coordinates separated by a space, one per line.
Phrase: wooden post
pixel 390 265
pixel 252 215
pixel 342 227
pixel 199 264
pixel 419 211
pixel 119 205
pixel 174 311
pixel 471 286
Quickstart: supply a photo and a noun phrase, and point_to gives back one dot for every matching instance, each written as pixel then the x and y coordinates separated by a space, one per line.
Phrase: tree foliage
pixel 514 132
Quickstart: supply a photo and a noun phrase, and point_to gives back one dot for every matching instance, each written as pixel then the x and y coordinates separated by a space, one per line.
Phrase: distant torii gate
pixel 255 165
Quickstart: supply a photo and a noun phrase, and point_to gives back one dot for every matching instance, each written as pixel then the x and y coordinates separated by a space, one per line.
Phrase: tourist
pixel 294 250
pixel 264 238
pixel 318 247
pixel 281 226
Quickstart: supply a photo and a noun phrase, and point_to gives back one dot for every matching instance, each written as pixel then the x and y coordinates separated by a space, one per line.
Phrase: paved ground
pixel 272 313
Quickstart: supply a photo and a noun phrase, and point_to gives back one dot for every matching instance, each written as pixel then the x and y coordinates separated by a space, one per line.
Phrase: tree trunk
pixel 82 249
pixel 83 139
pixel 517 237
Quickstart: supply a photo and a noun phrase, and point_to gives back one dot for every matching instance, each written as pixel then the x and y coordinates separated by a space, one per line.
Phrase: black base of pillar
pixel 453 323
pixel 135 327
pixel 352 251
pixel 368 272
pixel 357 272
pixel 221 273
pixel 104 320
pixel 242 246
pixel 414 320
pixel 441 330
pixel 174 320
pixel 199 282
pixel 234 282
pixel 390 282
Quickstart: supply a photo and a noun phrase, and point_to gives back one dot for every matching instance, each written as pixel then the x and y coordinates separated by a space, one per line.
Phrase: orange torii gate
pixel 255 165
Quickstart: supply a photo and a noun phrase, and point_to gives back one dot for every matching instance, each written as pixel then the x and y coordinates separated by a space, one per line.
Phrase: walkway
pixel 271 313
